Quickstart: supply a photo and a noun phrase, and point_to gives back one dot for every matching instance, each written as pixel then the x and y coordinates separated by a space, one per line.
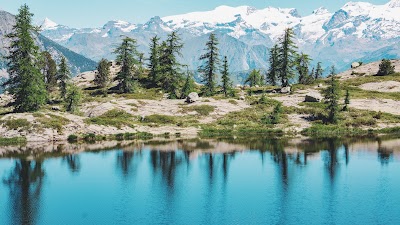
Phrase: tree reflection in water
pixel 73 162
pixel 125 162
pixel 25 186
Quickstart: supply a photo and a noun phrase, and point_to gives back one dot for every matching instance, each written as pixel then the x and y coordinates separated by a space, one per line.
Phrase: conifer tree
pixel 302 64
pixel 73 98
pixel 346 100
pixel 318 71
pixel 287 57
pixel 385 68
pixel 63 76
pixel 189 85
pixel 154 61
pixel 273 72
pixel 332 98
pixel 102 76
pixel 127 57
pixel 254 78
pixel 26 83
pixel 49 70
pixel 171 75
pixel 226 81
pixel 210 65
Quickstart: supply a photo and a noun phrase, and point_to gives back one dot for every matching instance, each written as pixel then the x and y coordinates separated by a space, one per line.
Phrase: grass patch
pixel 321 130
pixel 12 141
pixel 203 110
pixel 115 118
pixel 52 121
pixel 147 94
pixel 160 119
pixel 17 124
pixel 233 102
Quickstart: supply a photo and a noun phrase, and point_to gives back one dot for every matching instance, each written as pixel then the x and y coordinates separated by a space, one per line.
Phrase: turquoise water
pixel 241 182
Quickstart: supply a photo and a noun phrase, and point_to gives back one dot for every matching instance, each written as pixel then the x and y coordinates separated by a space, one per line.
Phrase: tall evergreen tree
pixel 154 61
pixel 171 75
pixel 63 76
pixel 102 76
pixel 73 98
pixel 332 97
pixel 302 64
pixel 273 72
pixel 211 63
pixel 127 57
pixel 226 80
pixel 26 83
pixel 318 71
pixel 287 57
pixel 49 70
pixel 189 85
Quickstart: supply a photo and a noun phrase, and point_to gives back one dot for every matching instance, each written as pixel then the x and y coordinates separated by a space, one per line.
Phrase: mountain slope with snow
pixel 349 34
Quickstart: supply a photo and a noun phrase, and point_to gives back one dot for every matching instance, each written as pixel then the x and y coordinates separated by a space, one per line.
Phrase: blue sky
pixel 95 13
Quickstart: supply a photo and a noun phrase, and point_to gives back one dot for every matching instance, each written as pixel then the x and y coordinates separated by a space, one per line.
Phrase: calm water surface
pixel 258 181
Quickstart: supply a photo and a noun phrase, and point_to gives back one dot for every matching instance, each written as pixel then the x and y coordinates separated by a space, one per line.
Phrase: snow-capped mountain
pixel 351 33
pixel 78 63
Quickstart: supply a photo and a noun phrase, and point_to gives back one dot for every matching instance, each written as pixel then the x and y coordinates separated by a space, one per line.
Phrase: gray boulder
pixel 192 97
pixel 313 97
pixel 285 90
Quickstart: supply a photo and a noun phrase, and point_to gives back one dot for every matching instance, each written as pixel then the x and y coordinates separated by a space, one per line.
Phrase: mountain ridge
pixel 321 33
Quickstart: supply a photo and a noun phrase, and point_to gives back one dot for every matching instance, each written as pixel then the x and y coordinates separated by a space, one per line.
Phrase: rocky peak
pixel 320 11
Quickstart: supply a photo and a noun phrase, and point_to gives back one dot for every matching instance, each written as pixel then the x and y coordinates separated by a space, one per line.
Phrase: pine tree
pixel 210 65
pixel 171 75
pixel 154 61
pixel 226 80
pixel 49 70
pixel 385 68
pixel 287 57
pixel 26 83
pixel 273 72
pixel 127 55
pixel 302 64
pixel 73 98
pixel 332 97
pixel 346 101
pixel 254 78
pixel 63 76
pixel 318 71
pixel 189 85
pixel 102 76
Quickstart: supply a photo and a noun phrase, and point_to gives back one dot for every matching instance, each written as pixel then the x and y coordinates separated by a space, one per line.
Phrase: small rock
pixel 313 97
pixel 192 97
pixel 242 97
pixel 55 108
pixel 355 65
pixel 285 90
pixel 273 91
pixel 320 85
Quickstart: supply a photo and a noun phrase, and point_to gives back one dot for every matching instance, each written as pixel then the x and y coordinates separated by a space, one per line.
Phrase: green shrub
pixel 160 119
pixel 72 138
pixel 115 117
pixel 385 68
